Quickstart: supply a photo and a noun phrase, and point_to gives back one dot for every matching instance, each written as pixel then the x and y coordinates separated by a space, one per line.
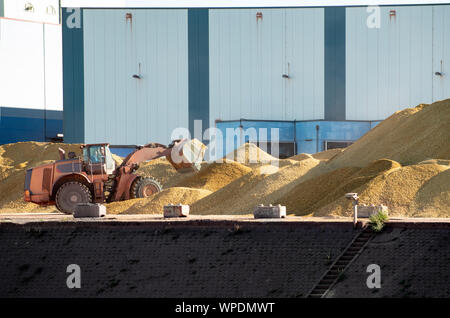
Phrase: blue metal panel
pixel 122 152
pixel 335 63
pixel 311 140
pixel 248 131
pixel 21 124
pixel 228 144
pixel 285 129
pixel 374 123
pixel 309 135
pixel 198 50
pixel 73 80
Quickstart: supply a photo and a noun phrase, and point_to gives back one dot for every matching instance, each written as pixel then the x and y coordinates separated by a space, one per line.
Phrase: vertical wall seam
pixel 334 63
pixel 198 66
pixel 73 80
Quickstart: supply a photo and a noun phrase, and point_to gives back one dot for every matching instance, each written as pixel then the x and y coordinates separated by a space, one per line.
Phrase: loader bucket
pixel 187 155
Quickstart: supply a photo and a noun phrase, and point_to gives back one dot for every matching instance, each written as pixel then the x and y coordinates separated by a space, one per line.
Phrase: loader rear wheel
pixel 144 187
pixel 70 194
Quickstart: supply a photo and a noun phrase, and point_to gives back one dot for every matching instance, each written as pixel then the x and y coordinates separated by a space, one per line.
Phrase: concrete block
pixel 89 210
pixel 176 210
pixel 365 211
pixel 270 211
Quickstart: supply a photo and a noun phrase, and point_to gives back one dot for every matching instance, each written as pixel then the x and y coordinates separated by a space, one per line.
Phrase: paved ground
pixel 23 218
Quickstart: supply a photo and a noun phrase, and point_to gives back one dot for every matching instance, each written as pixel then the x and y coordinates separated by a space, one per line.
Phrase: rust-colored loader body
pixel 94 177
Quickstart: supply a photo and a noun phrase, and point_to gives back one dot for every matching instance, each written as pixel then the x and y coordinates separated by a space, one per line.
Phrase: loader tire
pixel 70 194
pixel 144 187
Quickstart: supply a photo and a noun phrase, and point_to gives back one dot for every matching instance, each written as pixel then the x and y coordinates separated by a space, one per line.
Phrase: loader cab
pixel 98 159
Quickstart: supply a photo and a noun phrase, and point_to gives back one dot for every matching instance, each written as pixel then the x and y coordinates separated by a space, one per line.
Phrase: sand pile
pixel 412 191
pixel 408 136
pixel 433 197
pixel 14 160
pixel 324 155
pixel 444 162
pixel 413 181
pixel 301 156
pixel 215 176
pixel 118 159
pixel 249 153
pixel 265 184
pixel 307 197
pixel 155 203
pixel 328 154
pixel 163 171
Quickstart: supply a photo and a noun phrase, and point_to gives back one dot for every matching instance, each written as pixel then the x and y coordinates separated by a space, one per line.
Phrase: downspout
pixel 295 137
pixel 45 84
pixel 241 135
pixel 317 138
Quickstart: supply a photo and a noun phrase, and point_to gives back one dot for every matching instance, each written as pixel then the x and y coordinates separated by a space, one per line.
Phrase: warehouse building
pixel 323 76
pixel 31 102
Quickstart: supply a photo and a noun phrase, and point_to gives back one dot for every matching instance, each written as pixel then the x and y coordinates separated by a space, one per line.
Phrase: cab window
pixel 94 154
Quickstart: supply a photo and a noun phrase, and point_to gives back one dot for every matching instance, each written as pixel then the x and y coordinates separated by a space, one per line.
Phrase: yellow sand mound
pixel 444 162
pixel 14 160
pixel 411 191
pixel 264 184
pixel 324 155
pixel 163 171
pixel 327 154
pixel 408 136
pixel 249 153
pixel 155 203
pixel 412 181
pixel 433 197
pixel 117 159
pixel 301 156
pixel 215 176
pixel 307 197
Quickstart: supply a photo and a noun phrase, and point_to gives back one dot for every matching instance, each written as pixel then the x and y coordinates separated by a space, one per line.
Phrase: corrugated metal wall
pixel 387 68
pixel 249 55
pixel 392 67
pixel 121 109
pixel 441 52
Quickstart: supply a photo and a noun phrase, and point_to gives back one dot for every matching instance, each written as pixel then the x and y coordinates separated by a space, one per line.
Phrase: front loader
pixel 94 177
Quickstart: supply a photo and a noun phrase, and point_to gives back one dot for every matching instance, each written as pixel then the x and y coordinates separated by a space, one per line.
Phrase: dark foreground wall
pixel 414 262
pixel 227 260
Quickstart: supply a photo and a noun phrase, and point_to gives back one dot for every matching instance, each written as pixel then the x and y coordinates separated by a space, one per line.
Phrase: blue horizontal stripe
pixel 304 133
pixel 21 124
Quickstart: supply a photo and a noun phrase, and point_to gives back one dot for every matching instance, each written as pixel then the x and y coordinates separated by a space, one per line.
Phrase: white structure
pixel 46 11
pixel 31 71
